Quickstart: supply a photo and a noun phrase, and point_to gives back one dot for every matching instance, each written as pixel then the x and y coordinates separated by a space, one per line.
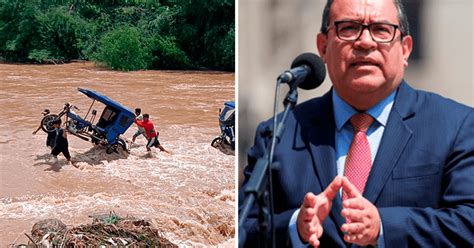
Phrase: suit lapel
pixel 395 137
pixel 319 135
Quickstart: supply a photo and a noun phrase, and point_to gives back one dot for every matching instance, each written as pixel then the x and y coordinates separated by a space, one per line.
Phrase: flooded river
pixel 188 195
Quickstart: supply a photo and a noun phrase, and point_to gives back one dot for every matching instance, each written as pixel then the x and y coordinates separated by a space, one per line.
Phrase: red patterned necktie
pixel 358 160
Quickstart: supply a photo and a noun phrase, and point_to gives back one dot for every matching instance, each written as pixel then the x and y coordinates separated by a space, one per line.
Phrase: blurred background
pixel 273 32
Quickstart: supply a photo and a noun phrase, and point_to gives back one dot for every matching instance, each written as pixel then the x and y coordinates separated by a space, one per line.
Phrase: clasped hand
pixel 362 217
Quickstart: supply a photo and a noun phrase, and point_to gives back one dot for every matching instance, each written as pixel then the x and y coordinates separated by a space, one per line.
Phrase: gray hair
pixel 402 17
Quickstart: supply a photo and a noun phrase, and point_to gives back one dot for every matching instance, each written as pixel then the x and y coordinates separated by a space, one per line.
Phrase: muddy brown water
pixel 189 194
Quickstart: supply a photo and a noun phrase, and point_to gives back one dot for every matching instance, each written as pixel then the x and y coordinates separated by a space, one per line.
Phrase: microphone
pixel 307 72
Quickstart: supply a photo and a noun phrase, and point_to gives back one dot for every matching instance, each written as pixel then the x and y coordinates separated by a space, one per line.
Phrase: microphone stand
pixel 259 186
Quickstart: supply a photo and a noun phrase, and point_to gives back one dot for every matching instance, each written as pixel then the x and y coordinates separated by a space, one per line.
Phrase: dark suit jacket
pixel 422 178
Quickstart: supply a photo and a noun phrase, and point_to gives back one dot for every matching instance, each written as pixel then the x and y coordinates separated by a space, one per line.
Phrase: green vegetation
pixel 122 49
pixel 123 35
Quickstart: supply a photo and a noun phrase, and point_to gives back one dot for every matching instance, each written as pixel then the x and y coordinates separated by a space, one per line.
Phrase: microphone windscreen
pixel 318 70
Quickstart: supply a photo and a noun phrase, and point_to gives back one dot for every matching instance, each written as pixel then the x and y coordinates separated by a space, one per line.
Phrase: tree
pixel 122 49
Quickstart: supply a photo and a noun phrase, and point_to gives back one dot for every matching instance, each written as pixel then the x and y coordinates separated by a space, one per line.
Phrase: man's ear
pixel 321 44
pixel 407 46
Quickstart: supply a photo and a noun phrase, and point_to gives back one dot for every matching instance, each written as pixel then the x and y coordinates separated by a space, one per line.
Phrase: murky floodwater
pixel 189 195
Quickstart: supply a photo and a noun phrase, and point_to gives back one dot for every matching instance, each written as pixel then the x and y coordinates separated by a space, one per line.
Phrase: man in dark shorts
pixel 61 144
pixel 151 133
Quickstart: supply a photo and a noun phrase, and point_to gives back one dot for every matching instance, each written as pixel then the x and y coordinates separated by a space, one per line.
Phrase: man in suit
pixel 373 161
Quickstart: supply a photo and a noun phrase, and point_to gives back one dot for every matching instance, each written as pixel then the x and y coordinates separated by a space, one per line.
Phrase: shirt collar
pixel 343 111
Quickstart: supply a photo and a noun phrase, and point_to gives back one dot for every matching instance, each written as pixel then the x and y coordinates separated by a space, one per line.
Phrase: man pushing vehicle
pixel 151 133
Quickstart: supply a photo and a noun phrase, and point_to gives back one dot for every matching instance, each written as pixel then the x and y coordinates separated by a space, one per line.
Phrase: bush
pixel 18 29
pixel 59 34
pixel 122 49
pixel 39 55
pixel 220 43
pixel 205 31
pixel 167 54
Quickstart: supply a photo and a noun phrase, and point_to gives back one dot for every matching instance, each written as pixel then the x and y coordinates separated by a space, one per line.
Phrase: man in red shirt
pixel 151 133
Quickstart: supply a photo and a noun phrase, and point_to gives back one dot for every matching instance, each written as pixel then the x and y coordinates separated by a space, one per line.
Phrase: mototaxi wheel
pixel 114 148
pixel 123 144
pixel 46 123
pixel 216 142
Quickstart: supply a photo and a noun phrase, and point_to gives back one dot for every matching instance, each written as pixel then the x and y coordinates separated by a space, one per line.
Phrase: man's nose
pixel 365 40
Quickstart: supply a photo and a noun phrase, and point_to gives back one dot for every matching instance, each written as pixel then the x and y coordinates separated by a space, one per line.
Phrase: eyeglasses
pixel 351 31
